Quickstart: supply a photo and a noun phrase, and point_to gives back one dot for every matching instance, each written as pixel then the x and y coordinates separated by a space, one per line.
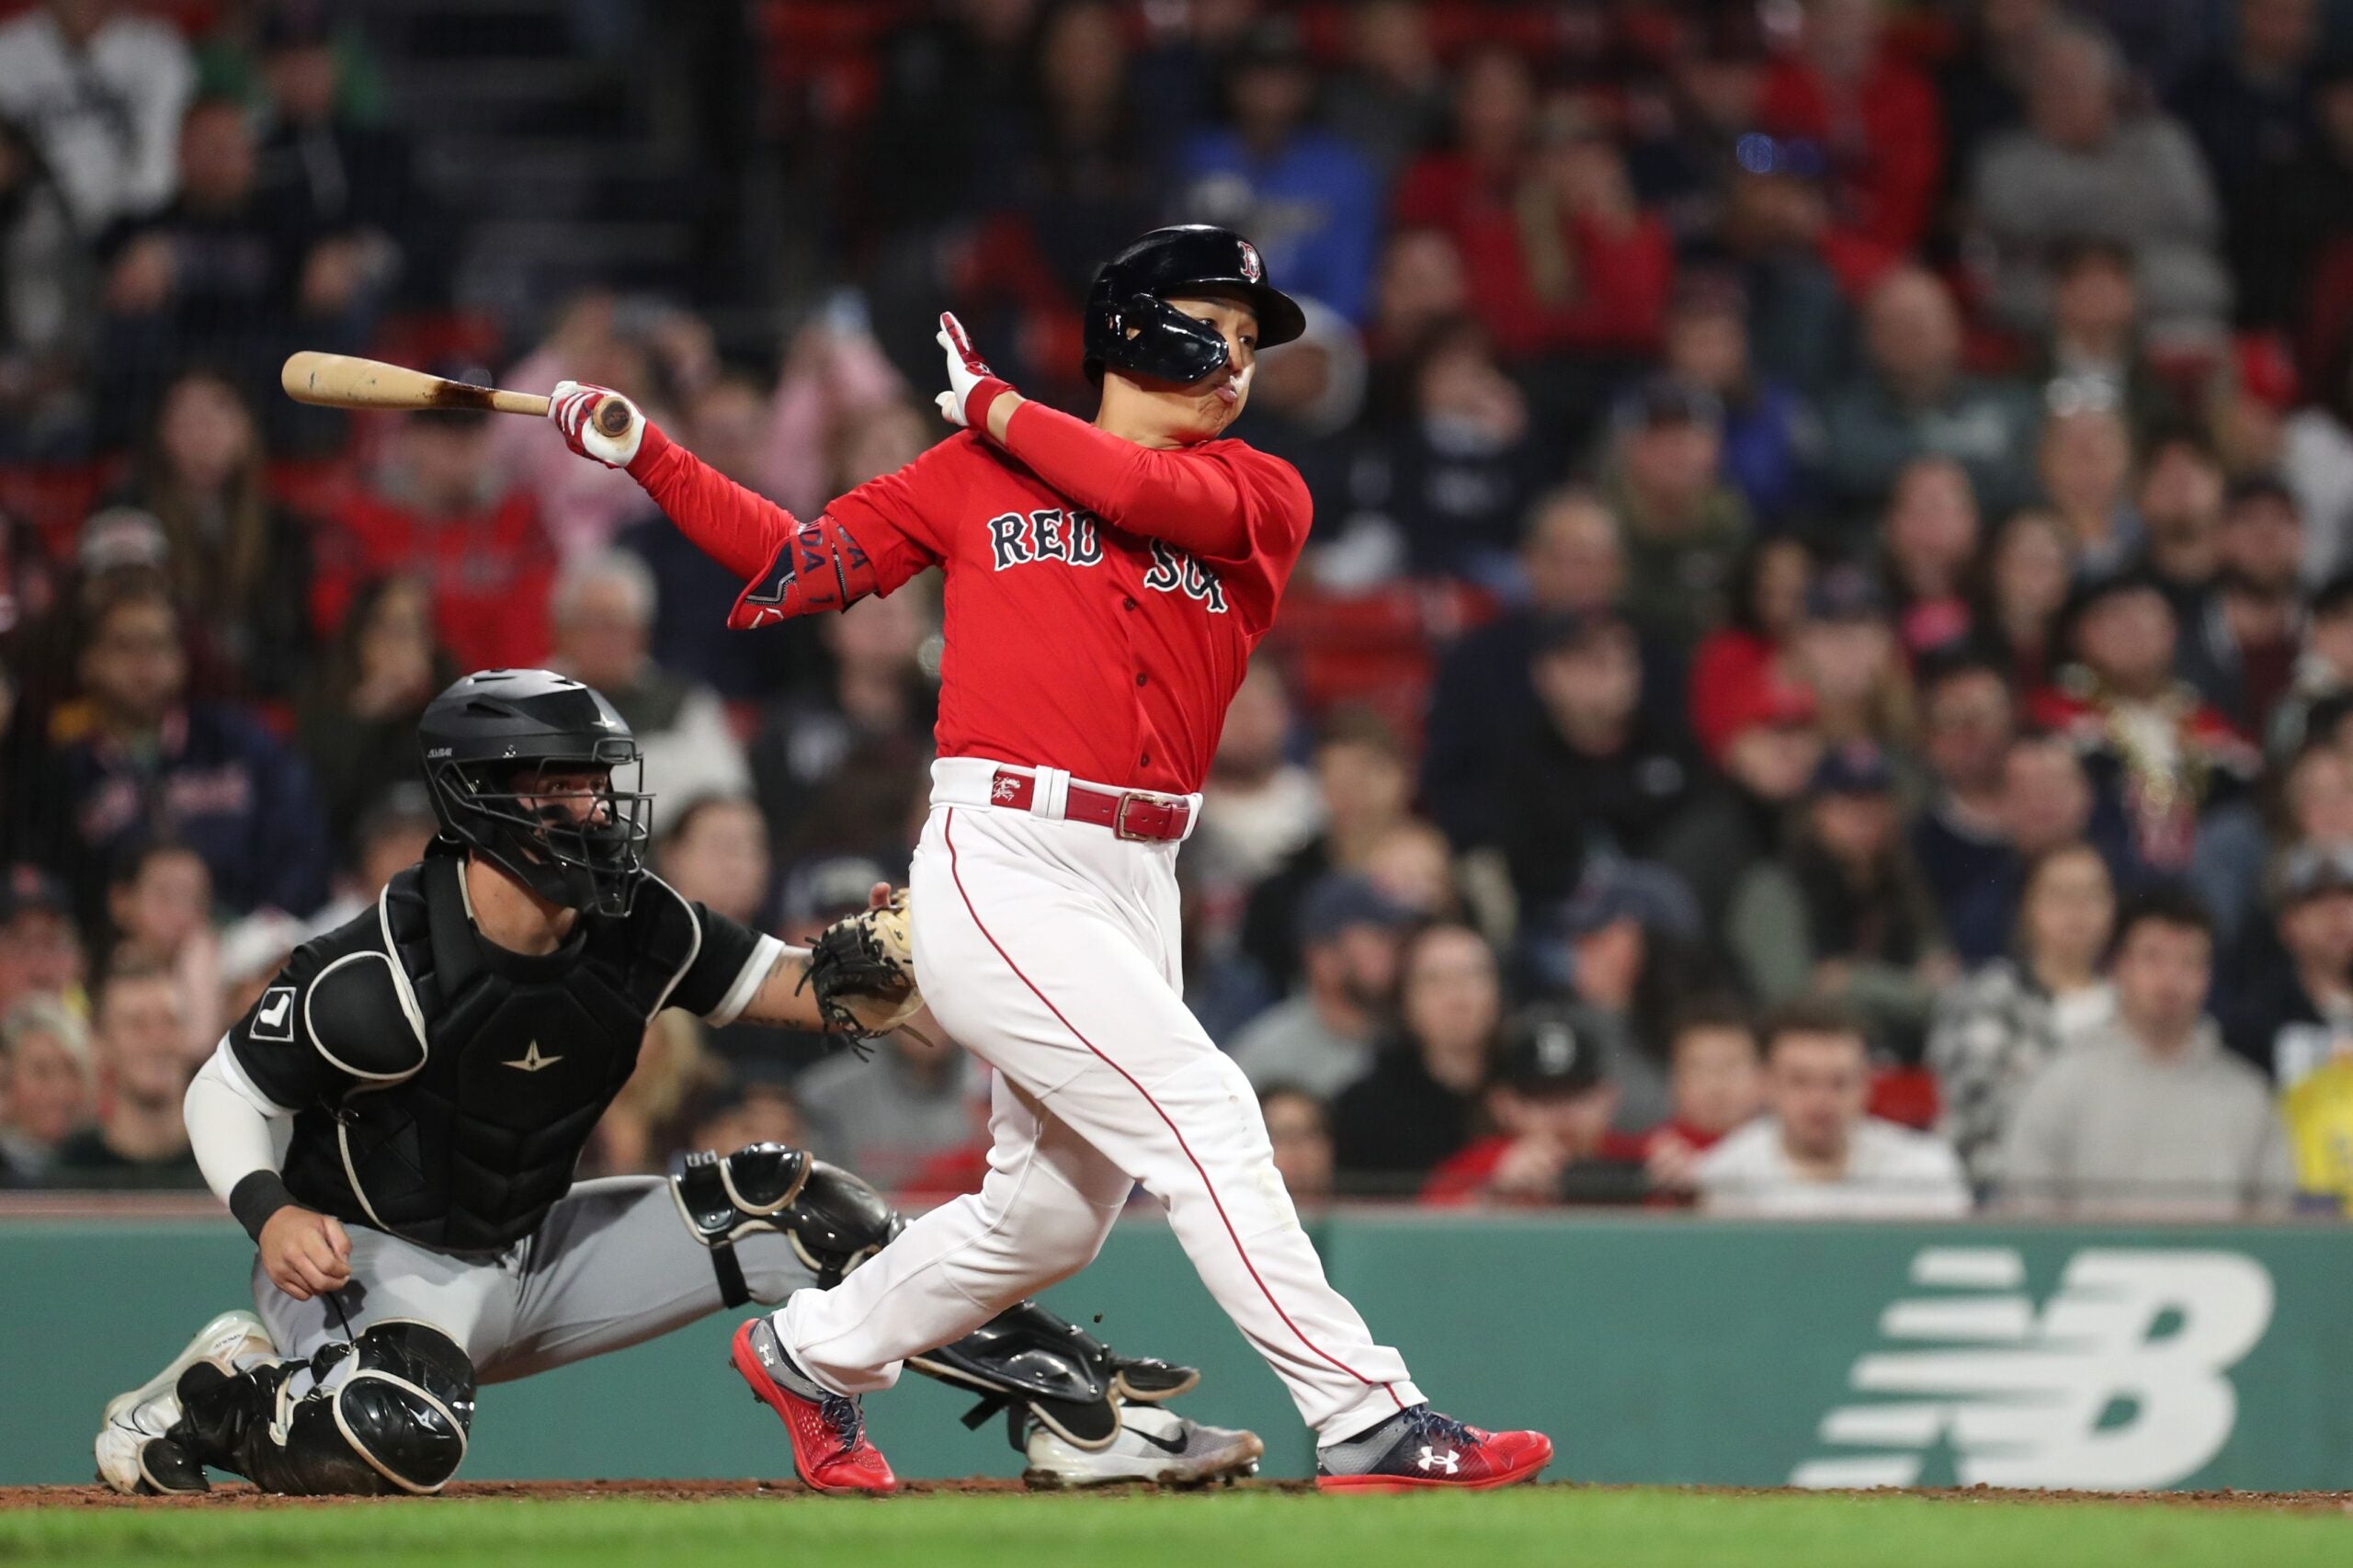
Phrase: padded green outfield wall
pixel 1652 1349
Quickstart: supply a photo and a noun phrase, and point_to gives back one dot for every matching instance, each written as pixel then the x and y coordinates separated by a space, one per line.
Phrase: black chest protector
pixel 468 1149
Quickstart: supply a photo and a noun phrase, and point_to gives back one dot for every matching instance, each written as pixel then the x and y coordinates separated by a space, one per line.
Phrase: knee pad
pixel 386 1412
pixel 834 1219
pixel 1036 1365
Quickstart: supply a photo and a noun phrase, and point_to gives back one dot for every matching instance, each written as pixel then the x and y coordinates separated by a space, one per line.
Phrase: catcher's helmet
pixel 490 739
pixel 1130 326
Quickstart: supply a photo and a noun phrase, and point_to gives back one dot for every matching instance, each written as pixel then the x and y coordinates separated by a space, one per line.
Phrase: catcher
pixel 396 1120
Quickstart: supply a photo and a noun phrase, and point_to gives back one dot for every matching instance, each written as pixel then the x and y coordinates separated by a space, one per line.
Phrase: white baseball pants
pixel 1050 949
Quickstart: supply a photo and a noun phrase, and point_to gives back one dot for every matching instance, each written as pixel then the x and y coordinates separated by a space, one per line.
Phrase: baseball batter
pixel 396 1120
pixel 1106 584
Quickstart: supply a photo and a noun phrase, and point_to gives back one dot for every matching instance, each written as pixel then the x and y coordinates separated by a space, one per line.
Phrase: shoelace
pixel 1429 1426
pixel 842 1414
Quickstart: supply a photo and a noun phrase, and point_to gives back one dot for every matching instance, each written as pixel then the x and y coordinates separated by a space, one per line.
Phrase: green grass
pixel 1228 1530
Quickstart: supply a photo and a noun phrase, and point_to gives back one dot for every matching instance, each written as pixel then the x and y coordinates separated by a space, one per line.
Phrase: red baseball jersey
pixel 1072 643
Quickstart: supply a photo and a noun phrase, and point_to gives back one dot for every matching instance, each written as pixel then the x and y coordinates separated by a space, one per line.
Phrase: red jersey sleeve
pixel 897 518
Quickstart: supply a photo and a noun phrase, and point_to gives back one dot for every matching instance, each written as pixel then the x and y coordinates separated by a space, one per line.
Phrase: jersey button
pixel 1144 761
pixel 1129 604
pixel 1143 680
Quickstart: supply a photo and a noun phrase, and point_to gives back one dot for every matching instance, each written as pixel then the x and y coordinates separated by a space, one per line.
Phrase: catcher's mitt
pixel 862 972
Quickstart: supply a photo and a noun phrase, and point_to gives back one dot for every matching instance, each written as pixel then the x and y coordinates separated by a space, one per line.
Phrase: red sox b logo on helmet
pixel 1252 268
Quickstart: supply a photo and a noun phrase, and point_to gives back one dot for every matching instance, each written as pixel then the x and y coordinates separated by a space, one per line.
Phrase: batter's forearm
pixel 1194 506
pixel 738 528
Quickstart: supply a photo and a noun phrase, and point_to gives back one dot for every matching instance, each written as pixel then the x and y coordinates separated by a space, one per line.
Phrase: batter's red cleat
pixel 1420 1447
pixel 828 1430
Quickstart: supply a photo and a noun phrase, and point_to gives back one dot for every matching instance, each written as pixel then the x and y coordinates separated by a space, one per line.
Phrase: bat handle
pixel 613 418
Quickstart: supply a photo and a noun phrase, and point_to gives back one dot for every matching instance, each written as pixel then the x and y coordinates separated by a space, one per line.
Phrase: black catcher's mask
pixel 505 751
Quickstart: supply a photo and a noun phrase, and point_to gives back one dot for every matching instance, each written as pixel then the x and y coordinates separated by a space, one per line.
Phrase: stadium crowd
pixel 1820 683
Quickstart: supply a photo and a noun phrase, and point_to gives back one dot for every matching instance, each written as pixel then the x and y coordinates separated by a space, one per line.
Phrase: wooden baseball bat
pixel 345 381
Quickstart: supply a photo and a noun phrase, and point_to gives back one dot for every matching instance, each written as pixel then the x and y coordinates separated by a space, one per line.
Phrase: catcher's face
pixel 581 798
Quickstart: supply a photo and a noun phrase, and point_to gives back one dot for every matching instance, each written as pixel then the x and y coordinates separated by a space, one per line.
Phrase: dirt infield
pixel 239 1495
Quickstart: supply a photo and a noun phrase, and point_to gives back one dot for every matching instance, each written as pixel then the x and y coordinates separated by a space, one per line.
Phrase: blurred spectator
pixel 714 851
pixel 1455 473
pixel 875 706
pixel 357 720
pixel 1771 438
pixel 1551 1108
pixel 48 304
pixel 601 609
pixel 159 906
pixel 252 951
pixel 1716 1085
pixel 728 425
pixel 887 1118
pixel 101 89
pixel 232 548
pixel 1875 116
pixel 2316 788
pixel 1322 1038
pixel 1366 781
pixel 1800 327
pixel 1258 806
pixel 1419 1102
pixel 1769 754
pixel 1931 538
pixel 2081 168
pixel 2164 753
pixel 1845 913
pixel 600 340
pixel 227 273
pixel 2151 1114
pixel 1912 397
pixel 1817 1154
pixel 1390 101
pixel 2084 461
pixel 2240 649
pixel 140 1036
pixel 2092 352
pixel 1420 287
pixel 143 761
pixel 1413 865
pixel 1747 655
pixel 1594 774
pixel 733 1114
pixel 40 949
pixel 2286 233
pixel 1845 651
pixel 2026 575
pixel 1683 525
pixel 2008 1021
pixel 2293 984
pixel 1308 398
pixel 2181 497
pixel 1982 88
pixel 441 510
pixel 1573 563
pixel 1628 937
pixel 951 80
pixel 1305 197
pixel 48 1085
pixel 2249 105
pixel 1558 255
pixel 1301 1131
pixel 354 179
pixel 1961 841
pixel 2323 669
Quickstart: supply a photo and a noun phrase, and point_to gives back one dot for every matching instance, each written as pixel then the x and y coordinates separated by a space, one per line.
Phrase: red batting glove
pixel 971 385
pixel 573 406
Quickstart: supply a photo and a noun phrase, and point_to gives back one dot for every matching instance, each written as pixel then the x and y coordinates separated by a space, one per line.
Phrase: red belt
pixel 1136 814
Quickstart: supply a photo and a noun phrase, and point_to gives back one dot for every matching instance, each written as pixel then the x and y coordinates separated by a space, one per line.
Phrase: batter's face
pixel 1205 408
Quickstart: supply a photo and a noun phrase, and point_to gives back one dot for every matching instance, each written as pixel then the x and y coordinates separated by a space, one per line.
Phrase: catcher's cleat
pixel 828 1430
pixel 135 1455
pixel 1420 1447
pixel 1154 1448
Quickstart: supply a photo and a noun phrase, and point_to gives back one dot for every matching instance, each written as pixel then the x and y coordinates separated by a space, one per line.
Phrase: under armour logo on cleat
pixel 1433 1461
pixel 531 1061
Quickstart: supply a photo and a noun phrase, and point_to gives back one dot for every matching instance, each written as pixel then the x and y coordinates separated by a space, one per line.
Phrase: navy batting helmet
pixel 1130 325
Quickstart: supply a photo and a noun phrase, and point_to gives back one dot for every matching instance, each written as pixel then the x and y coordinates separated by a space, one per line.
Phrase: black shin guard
pixel 394 1420
pixel 834 1220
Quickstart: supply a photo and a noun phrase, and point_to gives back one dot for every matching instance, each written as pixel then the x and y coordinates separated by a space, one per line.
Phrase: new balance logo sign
pixel 531 1061
pixel 1448 1461
pixel 2117 1383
